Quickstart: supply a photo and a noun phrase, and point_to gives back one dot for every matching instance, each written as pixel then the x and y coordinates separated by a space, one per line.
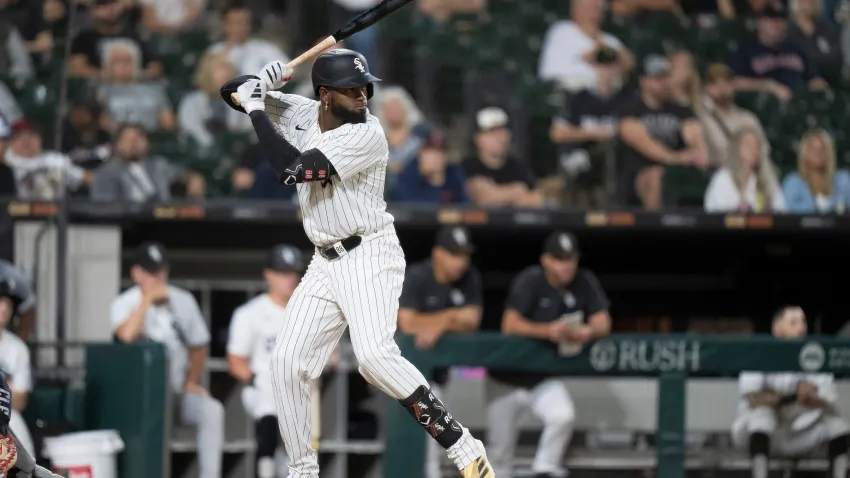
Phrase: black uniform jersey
pixel 422 293
pixel 536 300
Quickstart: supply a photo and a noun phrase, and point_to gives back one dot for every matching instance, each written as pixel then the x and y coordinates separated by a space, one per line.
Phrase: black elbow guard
pixel 310 166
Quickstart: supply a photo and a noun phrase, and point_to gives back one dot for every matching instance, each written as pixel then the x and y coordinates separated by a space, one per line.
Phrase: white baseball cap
pixel 491 118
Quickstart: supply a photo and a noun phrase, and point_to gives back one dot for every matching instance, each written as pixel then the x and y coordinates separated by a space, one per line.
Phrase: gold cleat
pixel 480 468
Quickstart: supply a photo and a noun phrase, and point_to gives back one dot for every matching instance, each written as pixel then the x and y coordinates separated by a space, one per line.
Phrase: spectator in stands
pixel 133 175
pixel 584 125
pixel 819 37
pixel 41 175
pixel 749 182
pixel 817 186
pixel 126 99
pixel 657 132
pixel 790 414
pixel 429 180
pixel 570 47
pixel 560 304
pixel 10 110
pixel 494 176
pixel 403 124
pixel 441 295
pixel 15 364
pixel 684 80
pixel 169 17
pixel 8 189
pixel 22 322
pixel 89 46
pixel 15 61
pixel 157 311
pixel 721 118
pixel 256 178
pixel 85 142
pixel 55 17
pixel 773 62
pixel 248 54
pixel 202 115
pixel 33 19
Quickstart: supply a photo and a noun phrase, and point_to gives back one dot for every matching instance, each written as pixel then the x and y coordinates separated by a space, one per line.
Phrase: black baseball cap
pixel 455 239
pixel 655 65
pixel 152 257
pixel 561 245
pixel 285 258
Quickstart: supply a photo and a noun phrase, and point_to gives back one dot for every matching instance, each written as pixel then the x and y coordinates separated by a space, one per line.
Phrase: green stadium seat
pixel 685 186
pixel 165 143
pixel 40 102
pixel 766 106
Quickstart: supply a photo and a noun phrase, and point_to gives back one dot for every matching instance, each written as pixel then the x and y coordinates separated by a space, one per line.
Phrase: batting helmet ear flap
pixel 231 86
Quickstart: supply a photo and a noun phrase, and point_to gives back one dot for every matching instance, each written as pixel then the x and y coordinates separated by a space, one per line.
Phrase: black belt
pixel 346 244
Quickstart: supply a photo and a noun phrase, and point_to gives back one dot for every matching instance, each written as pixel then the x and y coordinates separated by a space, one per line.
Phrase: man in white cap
pixel 494 177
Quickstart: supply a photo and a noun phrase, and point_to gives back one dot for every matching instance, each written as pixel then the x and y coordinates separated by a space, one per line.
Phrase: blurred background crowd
pixel 726 105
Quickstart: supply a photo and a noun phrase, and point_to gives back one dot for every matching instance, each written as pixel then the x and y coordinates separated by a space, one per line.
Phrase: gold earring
pixel 326 106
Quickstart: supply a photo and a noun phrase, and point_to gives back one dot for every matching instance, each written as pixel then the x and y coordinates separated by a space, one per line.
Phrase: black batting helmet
pixel 342 68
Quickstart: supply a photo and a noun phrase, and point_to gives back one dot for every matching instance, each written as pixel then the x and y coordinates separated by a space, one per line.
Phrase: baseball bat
pixel 316 411
pixel 355 25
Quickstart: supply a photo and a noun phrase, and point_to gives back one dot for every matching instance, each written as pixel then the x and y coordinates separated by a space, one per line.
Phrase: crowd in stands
pixel 746 116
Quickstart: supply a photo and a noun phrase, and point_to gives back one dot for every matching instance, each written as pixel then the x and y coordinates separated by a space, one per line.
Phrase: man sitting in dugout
pixel 563 305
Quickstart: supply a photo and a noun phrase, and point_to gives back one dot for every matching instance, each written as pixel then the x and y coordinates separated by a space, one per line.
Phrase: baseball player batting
pixel 335 151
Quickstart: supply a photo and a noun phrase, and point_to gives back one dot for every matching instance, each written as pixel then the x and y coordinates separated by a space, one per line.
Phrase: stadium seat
pixel 165 143
pixel 685 186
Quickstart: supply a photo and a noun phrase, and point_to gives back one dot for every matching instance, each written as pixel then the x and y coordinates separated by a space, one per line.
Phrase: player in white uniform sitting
pixel 15 364
pixel 790 414
pixel 253 332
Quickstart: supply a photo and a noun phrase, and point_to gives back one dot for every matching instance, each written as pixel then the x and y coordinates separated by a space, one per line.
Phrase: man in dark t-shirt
pixel 440 295
pixel 585 127
pixel 494 177
pixel 564 306
pixel 656 132
pixel 772 61
pixel 90 47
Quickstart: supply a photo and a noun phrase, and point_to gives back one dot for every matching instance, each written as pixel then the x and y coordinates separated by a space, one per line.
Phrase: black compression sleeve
pixel 276 149
pixel 292 165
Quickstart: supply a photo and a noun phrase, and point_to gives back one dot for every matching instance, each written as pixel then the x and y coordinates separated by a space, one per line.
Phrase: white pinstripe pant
pixel 361 290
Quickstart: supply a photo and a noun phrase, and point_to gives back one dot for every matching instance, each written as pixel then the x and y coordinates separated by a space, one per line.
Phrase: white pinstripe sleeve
pixel 352 148
pixel 281 108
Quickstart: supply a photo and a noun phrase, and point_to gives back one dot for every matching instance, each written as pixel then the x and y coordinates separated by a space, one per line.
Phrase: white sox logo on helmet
pixel 359 65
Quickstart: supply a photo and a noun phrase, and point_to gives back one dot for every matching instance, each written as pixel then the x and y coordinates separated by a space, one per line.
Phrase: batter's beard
pixel 347 116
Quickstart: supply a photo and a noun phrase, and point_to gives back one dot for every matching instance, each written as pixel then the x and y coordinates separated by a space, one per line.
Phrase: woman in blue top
pixel 816 186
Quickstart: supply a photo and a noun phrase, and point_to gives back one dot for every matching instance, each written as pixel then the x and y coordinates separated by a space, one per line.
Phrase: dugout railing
pixel 671 359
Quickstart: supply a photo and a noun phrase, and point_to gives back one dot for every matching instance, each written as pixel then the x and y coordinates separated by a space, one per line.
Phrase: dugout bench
pixel 672 359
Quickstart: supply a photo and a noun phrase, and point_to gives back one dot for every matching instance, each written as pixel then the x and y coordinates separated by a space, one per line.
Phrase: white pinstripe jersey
pixel 353 203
